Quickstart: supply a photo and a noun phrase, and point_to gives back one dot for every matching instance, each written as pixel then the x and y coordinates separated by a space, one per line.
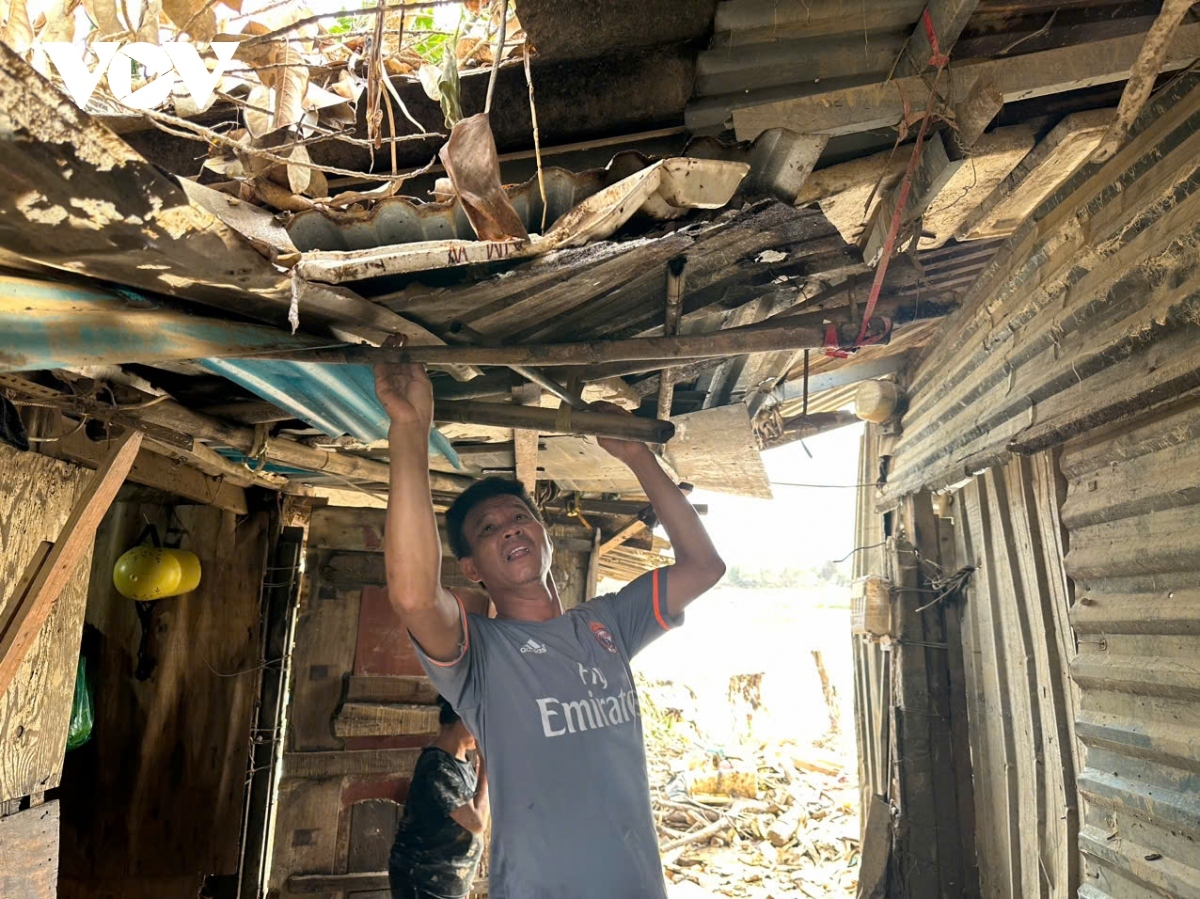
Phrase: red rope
pixel 939 60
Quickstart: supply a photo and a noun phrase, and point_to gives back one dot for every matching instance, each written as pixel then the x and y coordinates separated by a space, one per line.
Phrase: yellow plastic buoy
pixel 150 572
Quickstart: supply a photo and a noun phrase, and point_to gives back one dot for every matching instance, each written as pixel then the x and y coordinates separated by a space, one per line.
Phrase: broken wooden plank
pixel 995 155
pixel 882 105
pixel 353 763
pixel 850 372
pixel 369 719
pixel 407 688
pixel 716 449
pixel 29 853
pixel 876 850
pixel 525 441
pixel 25 614
pixel 1149 63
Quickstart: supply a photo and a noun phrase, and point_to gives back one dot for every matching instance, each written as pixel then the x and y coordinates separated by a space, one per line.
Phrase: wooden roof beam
pixel 882 105
pixel 944 21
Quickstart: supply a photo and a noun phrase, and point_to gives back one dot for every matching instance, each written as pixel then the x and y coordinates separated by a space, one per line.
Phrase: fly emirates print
pixel 600 708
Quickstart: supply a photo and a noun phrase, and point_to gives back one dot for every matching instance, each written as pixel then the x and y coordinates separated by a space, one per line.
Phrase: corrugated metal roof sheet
pixel 1132 512
pixel 779 161
pixel 54 325
pixel 338 399
pixel 764 50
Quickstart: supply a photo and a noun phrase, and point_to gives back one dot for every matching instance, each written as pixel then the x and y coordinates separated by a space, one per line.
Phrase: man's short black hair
pixel 446 714
pixel 479 492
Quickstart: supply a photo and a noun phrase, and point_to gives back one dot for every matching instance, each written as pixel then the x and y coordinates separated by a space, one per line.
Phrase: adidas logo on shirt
pixel 533 646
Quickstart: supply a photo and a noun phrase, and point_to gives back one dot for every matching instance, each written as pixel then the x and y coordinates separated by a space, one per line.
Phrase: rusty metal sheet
pixel 54 325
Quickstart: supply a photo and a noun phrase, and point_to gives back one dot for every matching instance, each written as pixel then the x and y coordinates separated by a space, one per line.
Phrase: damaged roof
pixel 784 173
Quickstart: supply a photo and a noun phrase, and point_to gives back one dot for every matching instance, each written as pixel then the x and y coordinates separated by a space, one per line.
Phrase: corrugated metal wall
pixel 1083 675
pixel 1086 314
pixel 1017 645
pixel 1133 514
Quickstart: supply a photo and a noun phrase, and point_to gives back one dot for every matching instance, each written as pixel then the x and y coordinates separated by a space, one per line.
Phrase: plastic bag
pixel 82 714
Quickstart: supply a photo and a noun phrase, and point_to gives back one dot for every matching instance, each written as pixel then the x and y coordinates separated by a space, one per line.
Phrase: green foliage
pixel 431 47
pixel 344 25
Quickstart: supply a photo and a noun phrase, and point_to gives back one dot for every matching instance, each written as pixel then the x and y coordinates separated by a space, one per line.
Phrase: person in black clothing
pixel 439 841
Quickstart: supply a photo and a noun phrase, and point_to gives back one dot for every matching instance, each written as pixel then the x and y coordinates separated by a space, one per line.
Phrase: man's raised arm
pixel 697 566
pixel 412 548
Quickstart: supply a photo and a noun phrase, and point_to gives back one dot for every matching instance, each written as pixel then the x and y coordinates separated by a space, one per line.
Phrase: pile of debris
pixel 751 819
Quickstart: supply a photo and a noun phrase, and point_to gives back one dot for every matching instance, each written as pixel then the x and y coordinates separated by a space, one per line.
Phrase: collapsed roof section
pixel 688 279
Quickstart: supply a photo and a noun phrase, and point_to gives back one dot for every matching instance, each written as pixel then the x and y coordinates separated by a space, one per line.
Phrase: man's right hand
pixel 405 391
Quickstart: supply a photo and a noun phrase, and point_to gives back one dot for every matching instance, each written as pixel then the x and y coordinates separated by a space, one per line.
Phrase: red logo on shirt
pixel 604 637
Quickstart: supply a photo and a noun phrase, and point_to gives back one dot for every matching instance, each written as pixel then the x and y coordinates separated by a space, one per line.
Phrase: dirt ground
pixel 754 795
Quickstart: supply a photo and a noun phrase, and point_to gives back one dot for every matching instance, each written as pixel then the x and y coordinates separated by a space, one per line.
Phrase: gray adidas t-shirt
pixel 555 711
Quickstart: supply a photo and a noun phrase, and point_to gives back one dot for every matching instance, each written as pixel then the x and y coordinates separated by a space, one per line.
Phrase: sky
pixel 801 526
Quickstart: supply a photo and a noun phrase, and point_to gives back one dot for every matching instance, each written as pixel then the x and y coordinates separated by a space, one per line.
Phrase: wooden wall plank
pixel 1020 706
pixel 354 763
pixel 372 832
pixel 36 498
pixel 157 794
pixel 1011 546
pixel 306 829
pixel 365 719
pixel 1050 706
pixel 391 688
pixel 29 853
pixel 326 637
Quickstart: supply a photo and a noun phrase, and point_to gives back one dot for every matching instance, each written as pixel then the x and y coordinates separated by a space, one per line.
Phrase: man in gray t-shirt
pixel 548 694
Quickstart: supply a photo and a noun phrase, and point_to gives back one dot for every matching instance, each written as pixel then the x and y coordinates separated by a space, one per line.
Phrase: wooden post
pixel 50 570
pixel 830 691
pixel 666 382
pixel 525 441
pixel 593 568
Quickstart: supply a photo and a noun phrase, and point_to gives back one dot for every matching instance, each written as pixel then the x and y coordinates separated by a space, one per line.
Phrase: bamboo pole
pixel 554 421
pixel 758 338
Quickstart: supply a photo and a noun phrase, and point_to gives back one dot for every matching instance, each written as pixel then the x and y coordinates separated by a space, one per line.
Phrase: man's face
pixel 509 546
